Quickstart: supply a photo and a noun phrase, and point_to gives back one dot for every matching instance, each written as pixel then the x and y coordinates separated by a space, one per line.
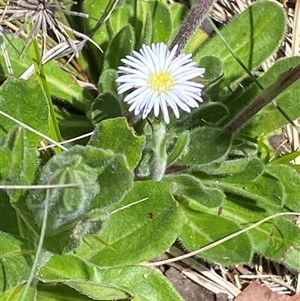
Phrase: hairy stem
pixel 159 159
pixel 195 17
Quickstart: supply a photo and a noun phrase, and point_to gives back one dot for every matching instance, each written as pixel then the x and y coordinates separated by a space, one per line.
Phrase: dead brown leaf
pixel 255 291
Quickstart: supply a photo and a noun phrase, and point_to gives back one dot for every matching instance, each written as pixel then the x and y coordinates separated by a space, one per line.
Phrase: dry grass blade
pixel 27 127
pixel 5 53
pixel 60 50
pixel 208 278
pixel 67 141
pixel 31 187
pixel 44 17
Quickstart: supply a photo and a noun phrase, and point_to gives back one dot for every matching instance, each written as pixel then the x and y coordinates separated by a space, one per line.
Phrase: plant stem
pixel 192 23
pixel 159 160
pixel 54 129
pixel 283 83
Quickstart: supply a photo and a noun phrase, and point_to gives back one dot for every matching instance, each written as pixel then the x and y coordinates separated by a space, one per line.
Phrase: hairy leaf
pixel 16 260
pixel 109 283
pixel 254 41
pixel 138 232
pixel 115 134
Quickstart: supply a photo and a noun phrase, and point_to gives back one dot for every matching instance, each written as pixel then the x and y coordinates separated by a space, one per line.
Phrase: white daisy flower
pixel 160 79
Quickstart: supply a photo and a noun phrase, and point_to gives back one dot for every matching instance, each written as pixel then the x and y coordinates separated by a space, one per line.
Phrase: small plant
pixel 110 157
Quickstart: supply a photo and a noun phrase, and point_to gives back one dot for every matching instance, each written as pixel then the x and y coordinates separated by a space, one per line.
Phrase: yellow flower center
pixel 161 82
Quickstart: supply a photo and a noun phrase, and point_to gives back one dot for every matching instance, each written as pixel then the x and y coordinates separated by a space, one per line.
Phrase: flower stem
pixel 194 19
pixel 159 160
pixel 54 129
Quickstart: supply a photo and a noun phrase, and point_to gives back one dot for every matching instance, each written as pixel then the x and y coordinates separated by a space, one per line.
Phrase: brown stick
pixel 285 80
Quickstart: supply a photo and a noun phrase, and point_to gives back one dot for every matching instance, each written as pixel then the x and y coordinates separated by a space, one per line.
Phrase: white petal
pixel 150 103
pixel 137 79
pixel 156 106
pixel 125 87
pixel 130 70
pixel 173 105
pixel 134 94
pixel 179 102
pixel 164 109
pixel 188 75
pixel 157 59
pixel 134 64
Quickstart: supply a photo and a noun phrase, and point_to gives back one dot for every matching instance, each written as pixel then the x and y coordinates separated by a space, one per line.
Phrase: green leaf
pixel 190 189
pixel 83 277
pixel 249 202
pixel 213 68
pixel 121 45
pixel 161 22
pixel 207 114
pixel 66 205
pixel 27 103
pixel 114 175
pixel 8 217
pixel 91 169
pixel 276 239
pixel 131 12
pixel 105 106
pixel 180 146
pixel 61 292
pixel 73 125
pixel 5 155
pixel 61 83
pixel 118 14
pixel 290 180
pixel 196 40
pixel 97 27
pixel 65 86
pixel 266 192
pixel 202 229
pixel 286 158
pixel 21 169
pixel 146 35
pixel 235 105
pixel 122 15
pixel 97 10
pixel 237 171
pixel 254 41
pixel 136 282
pixel 23 158
pixel 78 211
pixel 116 134
pixel 18 160
pixel 16 293
pixel 178 13
pixel 137 233
pixel 107 82
pixel 16 260
pixel 207 145
pixel 269 118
